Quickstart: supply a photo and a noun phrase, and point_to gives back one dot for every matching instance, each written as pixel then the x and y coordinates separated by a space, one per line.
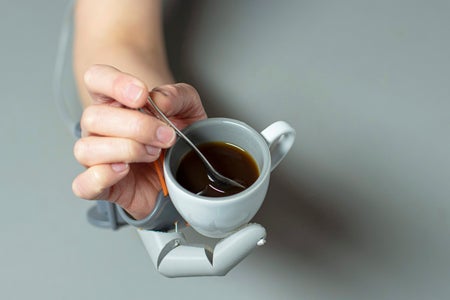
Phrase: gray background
pixel 358 210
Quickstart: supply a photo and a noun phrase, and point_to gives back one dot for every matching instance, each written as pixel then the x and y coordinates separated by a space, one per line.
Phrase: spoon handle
pixel 212 172
pixel 162 116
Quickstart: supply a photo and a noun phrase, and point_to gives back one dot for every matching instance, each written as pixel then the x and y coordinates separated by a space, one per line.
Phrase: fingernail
pixel 119 167
pixel 165 134
pixel 133 92
pixel 152 150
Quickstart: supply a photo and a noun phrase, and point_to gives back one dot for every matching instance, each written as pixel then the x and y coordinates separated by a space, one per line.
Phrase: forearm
pixel 125 34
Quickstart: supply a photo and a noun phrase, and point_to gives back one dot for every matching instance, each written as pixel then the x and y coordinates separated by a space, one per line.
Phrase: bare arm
pixel 126 34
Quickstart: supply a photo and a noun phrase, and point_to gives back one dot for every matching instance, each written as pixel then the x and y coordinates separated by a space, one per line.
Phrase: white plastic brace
pixel 173 255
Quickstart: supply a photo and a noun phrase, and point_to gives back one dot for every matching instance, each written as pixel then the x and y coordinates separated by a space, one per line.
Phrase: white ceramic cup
pixel 217 217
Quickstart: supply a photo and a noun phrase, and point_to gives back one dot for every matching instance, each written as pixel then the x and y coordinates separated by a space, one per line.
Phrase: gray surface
pixel 359 209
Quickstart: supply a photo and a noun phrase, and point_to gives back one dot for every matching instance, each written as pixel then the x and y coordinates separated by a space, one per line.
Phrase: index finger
pixel 106 83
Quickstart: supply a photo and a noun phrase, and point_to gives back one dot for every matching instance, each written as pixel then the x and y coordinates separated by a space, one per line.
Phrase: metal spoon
pixel 215 177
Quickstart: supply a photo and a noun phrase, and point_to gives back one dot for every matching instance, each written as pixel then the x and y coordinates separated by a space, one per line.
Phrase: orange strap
pixel 158 165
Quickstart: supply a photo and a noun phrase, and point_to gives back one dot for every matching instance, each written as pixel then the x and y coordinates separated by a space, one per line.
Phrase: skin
pixel 115 66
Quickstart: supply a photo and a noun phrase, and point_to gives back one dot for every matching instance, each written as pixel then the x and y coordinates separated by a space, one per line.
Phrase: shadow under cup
pixel 219 216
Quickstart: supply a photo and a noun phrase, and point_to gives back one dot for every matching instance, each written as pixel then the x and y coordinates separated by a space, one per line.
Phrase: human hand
pixel 118 142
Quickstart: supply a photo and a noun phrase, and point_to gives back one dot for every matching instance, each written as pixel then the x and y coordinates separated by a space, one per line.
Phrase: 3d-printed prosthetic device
pixel 191 235
pixel 177 250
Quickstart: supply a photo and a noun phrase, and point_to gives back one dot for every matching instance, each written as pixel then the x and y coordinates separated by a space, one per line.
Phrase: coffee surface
pixel 228 159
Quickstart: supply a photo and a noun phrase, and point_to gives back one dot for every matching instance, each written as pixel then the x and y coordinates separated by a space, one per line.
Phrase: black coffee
pixel 229 160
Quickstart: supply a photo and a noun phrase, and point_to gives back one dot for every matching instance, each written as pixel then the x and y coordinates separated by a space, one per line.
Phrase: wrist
pixel 163 216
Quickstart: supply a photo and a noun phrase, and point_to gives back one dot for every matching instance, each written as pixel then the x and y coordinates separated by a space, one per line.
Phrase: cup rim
pixel 263 172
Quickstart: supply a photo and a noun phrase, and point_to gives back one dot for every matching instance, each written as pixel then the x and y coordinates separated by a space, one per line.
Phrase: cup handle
pixel 280 137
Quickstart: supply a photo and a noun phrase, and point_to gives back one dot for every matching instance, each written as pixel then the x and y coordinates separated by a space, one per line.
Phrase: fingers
pixel 110 121
pixel 115 134
pixel 106 84
pixel 93 150
pixel 94 183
